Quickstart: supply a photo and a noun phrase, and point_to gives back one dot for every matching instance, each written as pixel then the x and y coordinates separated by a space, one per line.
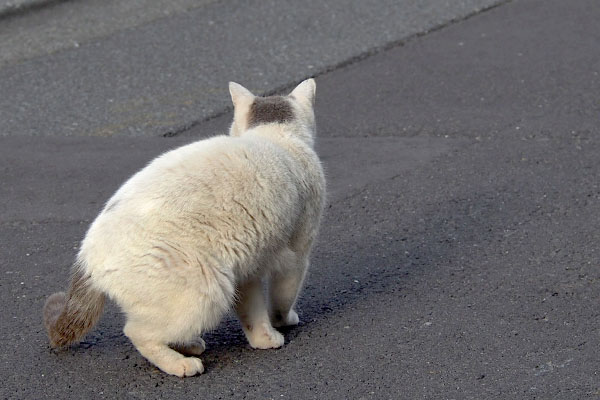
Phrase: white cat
pixel 196 231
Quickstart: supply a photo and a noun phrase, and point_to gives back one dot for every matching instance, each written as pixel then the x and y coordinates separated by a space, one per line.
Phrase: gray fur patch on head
pixel 274 109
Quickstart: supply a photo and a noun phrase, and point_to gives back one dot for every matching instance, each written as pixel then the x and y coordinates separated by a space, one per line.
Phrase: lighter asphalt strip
pixel 96 69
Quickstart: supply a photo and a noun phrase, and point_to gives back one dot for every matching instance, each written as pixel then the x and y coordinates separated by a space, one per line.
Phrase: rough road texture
pixel 107 67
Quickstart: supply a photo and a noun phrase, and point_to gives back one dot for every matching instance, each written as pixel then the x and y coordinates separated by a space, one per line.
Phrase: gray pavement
pixel 62 25
pixel 458 258
pixel 9 8
pixel 165 76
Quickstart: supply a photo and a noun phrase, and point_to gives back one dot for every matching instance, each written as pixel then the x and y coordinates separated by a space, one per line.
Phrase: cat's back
pixel 213 189
pixel 203 170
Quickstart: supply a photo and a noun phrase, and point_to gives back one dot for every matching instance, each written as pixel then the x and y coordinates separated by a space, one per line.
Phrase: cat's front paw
pixel 289 320
pixel 265 337
pixel 186 366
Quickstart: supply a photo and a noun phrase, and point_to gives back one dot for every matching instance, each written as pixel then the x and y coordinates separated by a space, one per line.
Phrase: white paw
pixel 186 366
pixel 290 320
pixel 265 337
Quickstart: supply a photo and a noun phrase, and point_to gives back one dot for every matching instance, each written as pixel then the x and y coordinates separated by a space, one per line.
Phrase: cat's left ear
pixel 240 95
pixel 305 92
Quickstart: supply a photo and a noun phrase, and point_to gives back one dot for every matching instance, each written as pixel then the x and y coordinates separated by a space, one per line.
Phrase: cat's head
pixel 295 110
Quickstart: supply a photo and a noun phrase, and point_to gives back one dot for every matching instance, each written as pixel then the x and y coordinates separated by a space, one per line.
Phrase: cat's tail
pixel 69 316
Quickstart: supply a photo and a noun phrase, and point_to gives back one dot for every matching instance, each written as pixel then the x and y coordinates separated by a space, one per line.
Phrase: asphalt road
pixel 114 68
pixel 459 254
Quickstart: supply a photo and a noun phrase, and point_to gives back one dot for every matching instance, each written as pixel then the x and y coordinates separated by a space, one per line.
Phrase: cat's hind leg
pixel 144 338
pixel 285 282
pixel 251 309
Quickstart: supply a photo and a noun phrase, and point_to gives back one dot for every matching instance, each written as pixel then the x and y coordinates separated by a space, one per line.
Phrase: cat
pixel 195 233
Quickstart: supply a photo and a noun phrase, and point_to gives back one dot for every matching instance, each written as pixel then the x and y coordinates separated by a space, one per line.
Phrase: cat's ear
pixel 240 95
pixel 305 92
pixel 242 100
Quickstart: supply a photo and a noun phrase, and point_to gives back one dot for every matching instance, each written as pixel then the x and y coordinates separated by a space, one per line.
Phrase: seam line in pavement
pixel 19 10
pixel 343 64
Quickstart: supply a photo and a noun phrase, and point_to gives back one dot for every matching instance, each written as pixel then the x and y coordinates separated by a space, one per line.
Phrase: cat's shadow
pixel 228 345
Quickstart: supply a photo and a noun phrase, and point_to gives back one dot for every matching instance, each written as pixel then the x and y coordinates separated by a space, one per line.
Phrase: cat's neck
pixel 284 134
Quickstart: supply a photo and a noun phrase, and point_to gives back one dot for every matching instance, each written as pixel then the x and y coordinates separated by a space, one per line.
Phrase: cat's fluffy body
pixel 195 233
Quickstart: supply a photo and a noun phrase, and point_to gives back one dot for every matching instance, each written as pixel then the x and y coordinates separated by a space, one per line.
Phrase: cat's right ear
pixel 240 96
pixel 305 92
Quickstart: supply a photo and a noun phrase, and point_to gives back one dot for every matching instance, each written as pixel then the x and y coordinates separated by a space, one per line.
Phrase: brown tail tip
pixel 53 308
